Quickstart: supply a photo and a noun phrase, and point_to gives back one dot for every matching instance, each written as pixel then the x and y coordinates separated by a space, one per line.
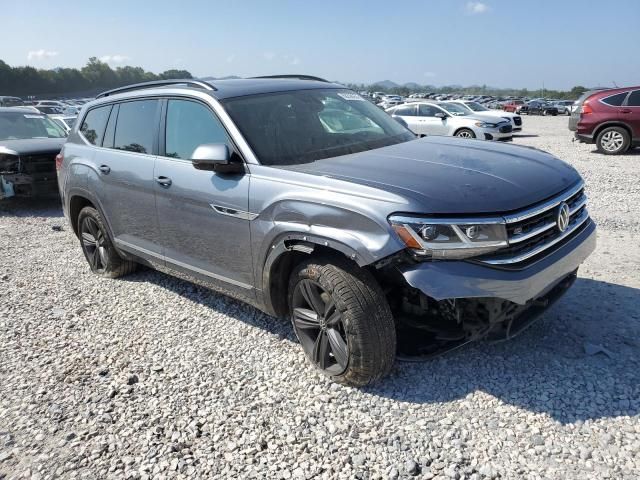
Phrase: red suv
pixel 610 119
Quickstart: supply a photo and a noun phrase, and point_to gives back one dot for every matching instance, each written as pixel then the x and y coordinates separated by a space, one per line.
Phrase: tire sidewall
pixel 473 135
pixel 112 254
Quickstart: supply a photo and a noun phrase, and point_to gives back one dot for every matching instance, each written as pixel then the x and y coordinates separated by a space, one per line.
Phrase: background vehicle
pixel 10 101
pixel 475 107
pixel 513 106
pixel 280 196
pixel 452 119
pixel 64 121
pixel 49 110
pixel 610 119
pixel 538 107
pixel 563 106
pixel 29 143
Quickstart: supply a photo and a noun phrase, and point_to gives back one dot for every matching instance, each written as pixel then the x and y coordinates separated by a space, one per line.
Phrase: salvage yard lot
pixel 152 376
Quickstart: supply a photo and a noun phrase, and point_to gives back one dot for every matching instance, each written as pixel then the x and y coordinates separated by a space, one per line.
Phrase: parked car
pixel 65 121
pixel 610 119
pixel 513 106
pixel 476 108
pixel 72 110
pixel 432 118
pixel 6 101
pixel 29 143
pixel 355 236
pixel 49 110
pixel 563 106
pixel 538 107
pixel 51 103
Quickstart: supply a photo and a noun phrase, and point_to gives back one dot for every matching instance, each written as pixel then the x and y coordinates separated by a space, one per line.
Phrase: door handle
pixel 164 181
pixel 626 110
pixel 104 169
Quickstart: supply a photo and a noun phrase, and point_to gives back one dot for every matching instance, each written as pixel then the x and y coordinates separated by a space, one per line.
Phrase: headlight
pixel 450 239
pixel 486 125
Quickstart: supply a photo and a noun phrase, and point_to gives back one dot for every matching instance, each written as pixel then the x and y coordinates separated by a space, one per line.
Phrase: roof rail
pixel 299 77
pixel 158 83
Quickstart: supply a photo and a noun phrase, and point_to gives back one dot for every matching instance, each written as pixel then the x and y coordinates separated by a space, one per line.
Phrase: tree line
pixel 95 76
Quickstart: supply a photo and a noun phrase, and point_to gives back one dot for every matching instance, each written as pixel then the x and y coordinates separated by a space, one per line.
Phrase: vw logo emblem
pixel 563 217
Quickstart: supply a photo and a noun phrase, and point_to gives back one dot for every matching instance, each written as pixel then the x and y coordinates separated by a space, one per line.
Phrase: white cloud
pixel 114 58
pixel 474 8
pixel 269 56
pixel 291 60
pixel 231 58
pixel 429 74
pixel 41 54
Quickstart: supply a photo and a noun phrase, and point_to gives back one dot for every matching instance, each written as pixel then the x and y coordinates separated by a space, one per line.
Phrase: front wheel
pixel 465 133
pixel 342 320
pixel 613 141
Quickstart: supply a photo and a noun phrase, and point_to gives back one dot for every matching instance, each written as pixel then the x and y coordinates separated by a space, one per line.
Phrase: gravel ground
pixel 151 377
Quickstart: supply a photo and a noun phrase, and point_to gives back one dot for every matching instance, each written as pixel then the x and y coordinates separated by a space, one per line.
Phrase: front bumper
pixel 442 280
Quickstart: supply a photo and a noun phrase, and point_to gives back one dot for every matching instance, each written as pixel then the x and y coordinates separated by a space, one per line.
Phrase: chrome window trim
pixel 602 100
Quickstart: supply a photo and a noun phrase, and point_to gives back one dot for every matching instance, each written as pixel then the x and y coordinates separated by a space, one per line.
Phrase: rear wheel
pixel 465 133
pixel 342 320
pixel 613 141
pixel 100 253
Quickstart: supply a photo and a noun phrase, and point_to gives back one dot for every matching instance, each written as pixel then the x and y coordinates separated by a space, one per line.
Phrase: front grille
pixel 534 232
pixel 32 164
pixel 517 121
pixel 505 128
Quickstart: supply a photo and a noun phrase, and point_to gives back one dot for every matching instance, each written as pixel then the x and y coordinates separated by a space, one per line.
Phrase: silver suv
pixel 302 198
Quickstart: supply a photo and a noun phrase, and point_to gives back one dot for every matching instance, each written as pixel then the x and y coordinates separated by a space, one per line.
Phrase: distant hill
pixel 386 84
pixel 229 77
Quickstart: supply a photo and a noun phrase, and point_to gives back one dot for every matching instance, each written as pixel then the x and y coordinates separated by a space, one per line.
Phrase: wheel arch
pixel 612 123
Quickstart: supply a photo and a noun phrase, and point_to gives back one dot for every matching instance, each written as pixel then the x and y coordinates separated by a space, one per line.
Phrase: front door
pixel 202 214
pixel 428 123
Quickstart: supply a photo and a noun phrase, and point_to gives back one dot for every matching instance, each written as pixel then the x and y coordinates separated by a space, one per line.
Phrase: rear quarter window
pixel 94 123
pixel 615 100
pixel 634 99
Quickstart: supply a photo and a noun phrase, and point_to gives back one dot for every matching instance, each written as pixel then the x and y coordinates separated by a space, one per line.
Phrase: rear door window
pixel 427 111
pixel 94 123
pixel 406 111
pixel 615 100
pixel 137 126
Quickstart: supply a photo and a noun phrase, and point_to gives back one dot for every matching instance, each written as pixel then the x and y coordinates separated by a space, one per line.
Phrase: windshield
pixel 11 102
pixel 455 109
pixel 20 126
pixel 302 126
pixel 476 107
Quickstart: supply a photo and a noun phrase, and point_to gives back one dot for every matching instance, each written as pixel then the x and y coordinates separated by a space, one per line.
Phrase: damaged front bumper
pixel 450 303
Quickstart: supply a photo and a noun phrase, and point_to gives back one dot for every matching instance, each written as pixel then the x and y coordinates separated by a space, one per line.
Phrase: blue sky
pixel 503 43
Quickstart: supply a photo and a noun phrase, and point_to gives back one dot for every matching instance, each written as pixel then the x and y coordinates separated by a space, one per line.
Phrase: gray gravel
pixel 151 377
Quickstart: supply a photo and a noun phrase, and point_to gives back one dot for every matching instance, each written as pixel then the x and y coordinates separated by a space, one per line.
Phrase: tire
pixel 465 133
pixel 96 245
pixel 353 340
pixel 613 141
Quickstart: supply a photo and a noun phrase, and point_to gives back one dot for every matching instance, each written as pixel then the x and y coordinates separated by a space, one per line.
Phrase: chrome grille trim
pixel 575 224
pixel 548 205
pixel 525 236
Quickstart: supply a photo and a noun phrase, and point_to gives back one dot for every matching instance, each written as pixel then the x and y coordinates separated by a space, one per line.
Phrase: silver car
pixel 300 197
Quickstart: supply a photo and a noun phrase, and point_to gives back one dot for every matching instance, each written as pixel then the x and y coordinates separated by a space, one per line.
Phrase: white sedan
pixel 445 118
pixel 475 107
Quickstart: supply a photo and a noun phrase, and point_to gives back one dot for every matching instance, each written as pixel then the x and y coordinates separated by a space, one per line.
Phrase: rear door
pixel 630 113
pixel 125 165
pixel 203 214
pixel 409 114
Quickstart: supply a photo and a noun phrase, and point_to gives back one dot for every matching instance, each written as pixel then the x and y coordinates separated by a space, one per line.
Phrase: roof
pixel 19 110
pixel 223 89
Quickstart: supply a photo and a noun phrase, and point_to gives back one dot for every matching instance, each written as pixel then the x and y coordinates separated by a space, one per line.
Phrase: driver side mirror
pixel 441 115
pixel 215 157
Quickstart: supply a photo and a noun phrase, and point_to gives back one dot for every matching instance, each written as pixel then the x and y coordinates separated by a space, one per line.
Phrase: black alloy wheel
pixel 93 244
pixel 319 327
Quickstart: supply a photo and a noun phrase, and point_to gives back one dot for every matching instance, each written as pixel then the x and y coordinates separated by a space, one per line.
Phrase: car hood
pixel 31 146
pixel 479 117
pixel 449 175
